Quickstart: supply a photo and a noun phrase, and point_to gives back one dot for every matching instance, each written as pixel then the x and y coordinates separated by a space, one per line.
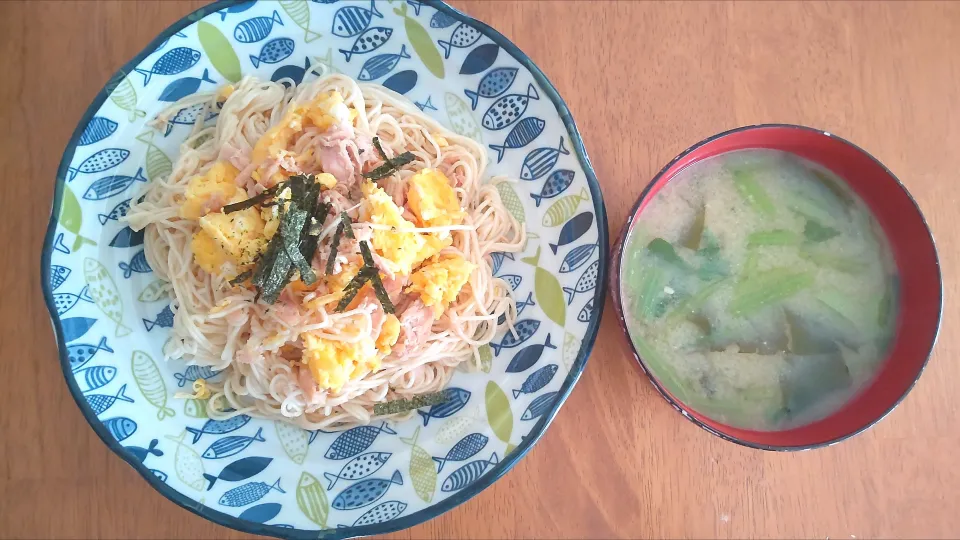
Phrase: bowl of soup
pixel 779 287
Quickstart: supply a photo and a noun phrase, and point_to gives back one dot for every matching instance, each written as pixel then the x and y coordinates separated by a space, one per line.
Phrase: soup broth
pixel 759 290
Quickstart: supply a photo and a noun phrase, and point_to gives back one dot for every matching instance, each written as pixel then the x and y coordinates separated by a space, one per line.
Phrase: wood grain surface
pixel 644 81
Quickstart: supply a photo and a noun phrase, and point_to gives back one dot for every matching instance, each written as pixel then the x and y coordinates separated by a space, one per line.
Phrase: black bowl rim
pixel 434 510
pixel 615 279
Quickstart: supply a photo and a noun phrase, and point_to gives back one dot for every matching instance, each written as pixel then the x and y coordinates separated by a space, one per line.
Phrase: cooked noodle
pixel 258 345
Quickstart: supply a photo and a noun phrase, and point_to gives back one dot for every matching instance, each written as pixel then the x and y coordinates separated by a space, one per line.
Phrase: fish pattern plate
pixel 111 314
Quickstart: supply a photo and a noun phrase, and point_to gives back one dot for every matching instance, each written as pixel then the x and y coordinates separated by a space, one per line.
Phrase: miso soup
pixel 759 290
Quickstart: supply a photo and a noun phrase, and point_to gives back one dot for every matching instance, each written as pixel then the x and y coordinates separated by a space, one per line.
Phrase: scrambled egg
pixel 216 184
pixel 389 334
pixel 433 200
pixel 333 363
pixel 439 281
pixel 337 281
pixel 235 238
pixel 402 248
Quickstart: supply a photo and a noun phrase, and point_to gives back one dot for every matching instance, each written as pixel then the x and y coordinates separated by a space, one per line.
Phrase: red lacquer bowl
pixel 921 291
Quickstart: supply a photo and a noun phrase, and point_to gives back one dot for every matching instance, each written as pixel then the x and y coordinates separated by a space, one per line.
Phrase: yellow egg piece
pixel 327 110
pixel 438 282
pixel 235 238
pixel 432 199
pixel 389 334
pixel 333 363
pixel 400 246
pixel 216 185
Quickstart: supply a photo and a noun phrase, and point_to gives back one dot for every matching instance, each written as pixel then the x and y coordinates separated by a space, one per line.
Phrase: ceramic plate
pixel 111 314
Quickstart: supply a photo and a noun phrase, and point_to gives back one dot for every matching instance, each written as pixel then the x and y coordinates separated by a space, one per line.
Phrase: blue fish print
pixel 172 62
pixel 467 474
pixel 79 354
pixel 359 467
pixel 98 129
pixel 556 183
pixel 92 378
pixel 586 283
pixel 537 380
pixel 577 257
pixel 355 440
pixel 457 399
pixel 523 304
pixel 236 8
pixel 104 160
pixel 292 72
pixel 164 319
pixel 380 513
pixel 508 109
pixel 65 301
pixel 468 447
pixel 416 4
pixel 539 406
pixel 261 513
pixel 109 186
pixel 492 85
pixel 540 161
pixel 188 116
pixel 193 373
pixel 229 446
pixel 119 211
pixel 462 37
pixel 127 237
pixel 586 312
pixel 369 41
pixel 365 492
pixel 573 230
pixel 141 453
pixel 256 29
pixel 513 279
pixel 351 20
pixel 442 20
pixel 498 258
pixel 239 470
pixel 248 493
pixel 219 427
pixel 529 356
pixel 137 264
pixel 273 52
pixel 101 402
pixel 159 474
pixel 182 88
pixel 75 327
pixel 381 64
pixel 425 105
pixel 59 245
pixel 164 43
pixel 402 82
pixel 58 274
pixel 525 329
pixel 121 428
pixel 521 135
pixel 480 59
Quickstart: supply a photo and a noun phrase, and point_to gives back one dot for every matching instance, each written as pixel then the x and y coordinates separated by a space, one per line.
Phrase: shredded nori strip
pixel 347 225
pixel 241 277
pixel 334 244
pixel 390 167
pixel 416 402
pixel 260 198
pixel 290 231
pixel 375 280
pixel 367 254
pixel 353 288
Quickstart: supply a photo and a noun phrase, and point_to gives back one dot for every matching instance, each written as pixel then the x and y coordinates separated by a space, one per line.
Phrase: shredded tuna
pixel 415 324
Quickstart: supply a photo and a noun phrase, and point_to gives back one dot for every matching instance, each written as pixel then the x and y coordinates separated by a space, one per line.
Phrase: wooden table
pixel 644 80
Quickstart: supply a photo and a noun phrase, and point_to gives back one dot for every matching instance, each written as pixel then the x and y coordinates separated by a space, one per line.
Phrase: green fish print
pixel 187 463
pixel 455 428
pixel 510 448
pixel 295 441
pixel 195 408
pixel 461 119
pixel 312 500
pixel 71 217
pixel 571 348
pixel 219 51
pixel 326 62
pixel 511 201
pixel 499 415
pixel 154 291
pixel 299 12
pixel 422 43
pixel 150 382
pixel 103 290
pixel 158 165
pixel 562 210
pixel 124 95
pixel 549 293
pixel 486 357
pixel 422 470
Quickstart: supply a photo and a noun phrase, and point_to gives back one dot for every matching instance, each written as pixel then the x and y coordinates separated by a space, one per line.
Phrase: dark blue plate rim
pixel 343 532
